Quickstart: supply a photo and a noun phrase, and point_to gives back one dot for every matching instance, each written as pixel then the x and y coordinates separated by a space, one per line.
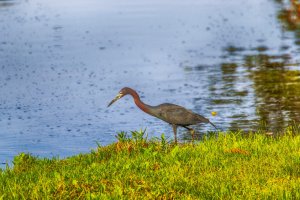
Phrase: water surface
pixel 61 63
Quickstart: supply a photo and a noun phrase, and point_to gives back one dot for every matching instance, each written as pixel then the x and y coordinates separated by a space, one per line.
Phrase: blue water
pixel 61 62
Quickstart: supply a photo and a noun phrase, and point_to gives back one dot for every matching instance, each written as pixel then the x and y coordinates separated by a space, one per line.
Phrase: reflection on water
pixel 275 81
pixel 290 14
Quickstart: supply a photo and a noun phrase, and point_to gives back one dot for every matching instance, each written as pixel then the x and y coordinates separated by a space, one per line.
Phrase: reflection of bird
pixel 171 113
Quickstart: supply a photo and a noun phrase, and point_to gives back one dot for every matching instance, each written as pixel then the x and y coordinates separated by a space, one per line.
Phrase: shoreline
pixel 225 165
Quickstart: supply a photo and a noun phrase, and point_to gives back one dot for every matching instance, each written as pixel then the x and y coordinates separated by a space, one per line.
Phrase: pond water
pixel 61 62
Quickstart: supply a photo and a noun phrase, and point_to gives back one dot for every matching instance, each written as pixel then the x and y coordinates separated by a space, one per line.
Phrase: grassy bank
pixel 227 166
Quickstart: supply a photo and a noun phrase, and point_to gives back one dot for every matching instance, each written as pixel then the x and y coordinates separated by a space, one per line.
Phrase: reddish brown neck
pixel 137 101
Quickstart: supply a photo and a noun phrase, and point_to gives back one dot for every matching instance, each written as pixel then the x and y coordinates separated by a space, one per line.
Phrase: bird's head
pixel 124 91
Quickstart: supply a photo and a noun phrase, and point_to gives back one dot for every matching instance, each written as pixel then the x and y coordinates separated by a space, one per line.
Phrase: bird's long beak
pixel 119 96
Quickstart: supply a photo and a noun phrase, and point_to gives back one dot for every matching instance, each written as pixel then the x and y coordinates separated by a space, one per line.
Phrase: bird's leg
pixel 192 131
pixel 193 135
pixel 175 132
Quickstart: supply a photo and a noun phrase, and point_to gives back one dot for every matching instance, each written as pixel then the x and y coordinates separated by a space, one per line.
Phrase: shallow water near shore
pixel 61 63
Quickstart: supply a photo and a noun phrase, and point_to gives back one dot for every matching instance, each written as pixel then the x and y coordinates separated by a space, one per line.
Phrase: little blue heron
pixel 170 113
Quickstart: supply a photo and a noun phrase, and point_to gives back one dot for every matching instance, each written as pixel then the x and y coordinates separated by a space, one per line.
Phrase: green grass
pixel 224 166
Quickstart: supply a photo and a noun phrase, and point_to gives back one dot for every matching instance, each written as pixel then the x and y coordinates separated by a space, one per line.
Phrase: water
pixel 62 62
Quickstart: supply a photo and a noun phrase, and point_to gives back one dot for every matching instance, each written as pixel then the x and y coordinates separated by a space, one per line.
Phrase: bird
pixel 173 114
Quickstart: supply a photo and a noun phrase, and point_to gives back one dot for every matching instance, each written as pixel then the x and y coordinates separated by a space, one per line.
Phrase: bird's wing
pixel 179 115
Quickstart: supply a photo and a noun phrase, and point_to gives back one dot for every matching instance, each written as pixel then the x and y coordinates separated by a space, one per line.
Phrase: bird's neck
pixel 144 107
